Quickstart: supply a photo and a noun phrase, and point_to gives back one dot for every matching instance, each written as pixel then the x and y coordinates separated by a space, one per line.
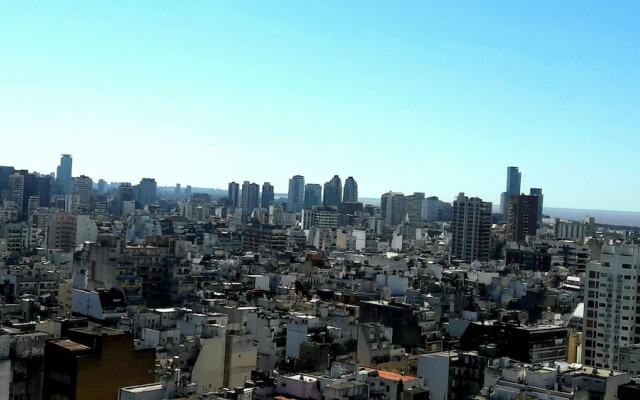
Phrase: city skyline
pixel 427 97
pixel 374 199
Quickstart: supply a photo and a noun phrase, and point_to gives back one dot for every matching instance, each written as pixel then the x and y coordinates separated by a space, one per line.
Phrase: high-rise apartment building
pixel 63 174
pixel 267 196
pixel 5 173
pixel 82 187
pixel 471 229
pixel 30 188
pixel 44 185
pixel 312 195
pixel 62 232
pixel 124 194
pixel 538 193
pixel 250 196
pixel 332 192
pixel 15 192
pixel 434 209
pixel 414 207
pixel 522 217
pixel 147 191
pixel 393 208
pixel 295 197
pixel 514 177
pixel 102 186
pixel 611 314
pixel 233 194
pixel 350 194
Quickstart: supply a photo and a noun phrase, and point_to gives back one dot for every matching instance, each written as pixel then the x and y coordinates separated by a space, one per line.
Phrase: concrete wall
pixel 208 371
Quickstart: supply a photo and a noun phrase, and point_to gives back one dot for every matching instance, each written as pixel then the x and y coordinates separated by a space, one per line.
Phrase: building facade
pixel 312 195
pixel 610 311
pixel 267 196
pixel 522 217
pixel 332 192
pixel 295 196
pixel 471 229
pixel 350 194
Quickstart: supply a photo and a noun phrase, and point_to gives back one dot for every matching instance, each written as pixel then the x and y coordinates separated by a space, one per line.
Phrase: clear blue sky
pixel 405 96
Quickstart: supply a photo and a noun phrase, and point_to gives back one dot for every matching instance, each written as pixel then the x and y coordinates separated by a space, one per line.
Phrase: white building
pixel 610 305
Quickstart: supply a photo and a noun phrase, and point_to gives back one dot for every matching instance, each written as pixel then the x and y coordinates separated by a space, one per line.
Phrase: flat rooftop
pixel 70 345
pixel 152 387
pixel 102 331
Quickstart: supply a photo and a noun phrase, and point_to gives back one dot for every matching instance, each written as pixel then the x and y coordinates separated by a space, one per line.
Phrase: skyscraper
pixel 5 172
pixel 538 193
pixel 102 186
pixel 611 315
pixel 471 229
pixel 267 195
pixel 125 193
pixel 30 188
pixel 312 195
pixel 44 184
pixel 82 187
pixel 250 196
pixel 295 197
pixel 147 191
pixel 522 217
pixel 15 191
pixel 332 192
pixel 513 189
pixel 392 208
pixel 350 194
pixel 64 174
pixel 233 194
pixel 414 205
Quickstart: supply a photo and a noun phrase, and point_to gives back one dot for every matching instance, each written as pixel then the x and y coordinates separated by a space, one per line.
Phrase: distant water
pixel 621 218
pixel 625 218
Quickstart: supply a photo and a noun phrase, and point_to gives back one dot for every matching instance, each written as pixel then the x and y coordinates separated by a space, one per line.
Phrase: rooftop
pixel 70 345
pixel 98 331
pixel 392 376
pixel 152 387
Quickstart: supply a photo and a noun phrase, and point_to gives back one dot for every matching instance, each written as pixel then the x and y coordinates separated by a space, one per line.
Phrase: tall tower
pixel 611 315
pixel 522 217
pixel 82 187
pixel 5 172
pixel 471 229
pixel 250 196
pixel 312 195
pixel 350 194
pixel 415 203
pixel 514 177
pixel 64 174
pixel 333 192
pixel 538 193
pixel 15 192
pixel 147 191
pixel 267 195
pixel 295 197
pixel 392 208
pixel 233 193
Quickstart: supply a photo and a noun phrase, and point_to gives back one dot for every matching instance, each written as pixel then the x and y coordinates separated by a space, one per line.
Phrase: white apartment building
pixel 610 314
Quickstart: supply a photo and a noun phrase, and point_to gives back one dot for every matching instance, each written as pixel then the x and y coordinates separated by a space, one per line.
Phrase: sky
pixel 407 96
